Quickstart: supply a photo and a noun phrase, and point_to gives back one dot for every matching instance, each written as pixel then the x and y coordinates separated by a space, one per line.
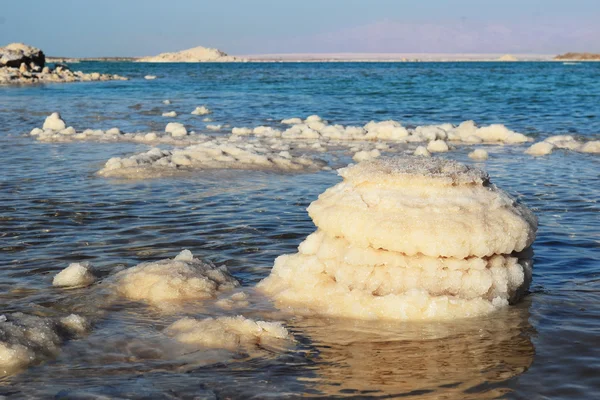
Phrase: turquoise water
pixel 54 210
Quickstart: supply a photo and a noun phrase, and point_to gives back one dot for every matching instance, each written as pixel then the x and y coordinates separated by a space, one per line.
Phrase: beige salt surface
pixel 417 205
pixel 408 239
pixel 229 333
pixel 169 281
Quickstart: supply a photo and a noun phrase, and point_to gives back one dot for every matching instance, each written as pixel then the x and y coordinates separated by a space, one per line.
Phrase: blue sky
pixel 144 27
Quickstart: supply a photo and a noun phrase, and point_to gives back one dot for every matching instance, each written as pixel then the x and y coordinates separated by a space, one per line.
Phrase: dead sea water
pixel 54 211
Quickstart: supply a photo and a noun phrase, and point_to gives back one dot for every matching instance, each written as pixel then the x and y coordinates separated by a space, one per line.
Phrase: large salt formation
pixel 408 239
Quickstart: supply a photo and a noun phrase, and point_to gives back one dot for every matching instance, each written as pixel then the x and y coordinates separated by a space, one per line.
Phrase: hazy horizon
pixel 138 28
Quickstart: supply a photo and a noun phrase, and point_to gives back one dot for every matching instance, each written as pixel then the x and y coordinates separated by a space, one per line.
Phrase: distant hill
pixel 197 54
pixel 579 56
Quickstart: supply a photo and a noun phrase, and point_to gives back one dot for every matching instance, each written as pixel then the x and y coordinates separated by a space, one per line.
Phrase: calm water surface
pixel 54 211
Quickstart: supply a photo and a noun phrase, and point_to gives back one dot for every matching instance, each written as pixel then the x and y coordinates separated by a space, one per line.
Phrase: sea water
pixel 54 210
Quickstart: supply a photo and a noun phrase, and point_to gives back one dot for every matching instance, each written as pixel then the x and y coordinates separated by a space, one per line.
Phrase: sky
pixel 93 28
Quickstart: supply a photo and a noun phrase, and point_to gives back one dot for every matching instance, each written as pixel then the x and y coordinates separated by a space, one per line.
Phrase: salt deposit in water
pixel 170 114
pixel 230 333
pixel 75 275
pixel 213 154
pixel 410 239
pixel 181 279
pixel 478 154
pixel 202 110
pixel 30 339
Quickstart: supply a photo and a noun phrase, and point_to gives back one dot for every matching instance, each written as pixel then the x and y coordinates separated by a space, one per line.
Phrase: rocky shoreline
pixel 23 64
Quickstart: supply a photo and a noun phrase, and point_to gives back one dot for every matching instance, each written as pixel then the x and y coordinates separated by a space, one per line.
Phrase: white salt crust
pixel 230 333
pixel 183 278
pixel 411 239
pixel 215 154
pixel 564 142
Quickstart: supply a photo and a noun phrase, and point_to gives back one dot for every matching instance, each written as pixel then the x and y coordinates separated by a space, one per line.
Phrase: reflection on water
pixel 457 360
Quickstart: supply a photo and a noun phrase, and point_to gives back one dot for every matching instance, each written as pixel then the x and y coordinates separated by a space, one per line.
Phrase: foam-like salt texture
pixel 215 154
pixel 29 339
pixel 230 333
pixel 430 206
pixel 409 238
pixel 180 279
pixel 75 275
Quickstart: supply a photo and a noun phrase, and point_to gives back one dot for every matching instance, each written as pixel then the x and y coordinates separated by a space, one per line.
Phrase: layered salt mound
pixel 183 278
pixel 230 333
pixel 29 339
pixel 214 154
pixel 412 238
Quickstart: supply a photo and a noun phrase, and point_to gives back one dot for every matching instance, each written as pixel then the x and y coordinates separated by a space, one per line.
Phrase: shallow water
pixel 54 210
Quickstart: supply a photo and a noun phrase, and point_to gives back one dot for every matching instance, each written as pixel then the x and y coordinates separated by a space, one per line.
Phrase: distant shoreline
pixel 347 57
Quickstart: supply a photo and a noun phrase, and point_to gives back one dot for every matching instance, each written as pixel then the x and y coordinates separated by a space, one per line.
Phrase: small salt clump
pixel 366 155
pixel 422 151
pixel 410 239
pixel 229 333
pixel 437 146
pixel 170 114
pixel 540 149
pixel 54 123
pixel 176 129
pixel 75 275
pixel 167 101
pixel 183 278
pixel 478 154
pixel 150 77
pixel 202 110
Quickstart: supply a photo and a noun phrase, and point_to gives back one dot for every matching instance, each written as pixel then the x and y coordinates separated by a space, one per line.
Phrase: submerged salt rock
pixel 54 122
pixel 230 333
pixel 181 279
pixel 540 149
pixel 29 339
pixel 478 154
pixel 170 114
pixel 202 110
pixel 376 204
pixel 592 146
pixel 75 275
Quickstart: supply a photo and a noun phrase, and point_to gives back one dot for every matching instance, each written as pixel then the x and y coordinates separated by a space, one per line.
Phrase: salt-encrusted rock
pixel 29 339
pixel 230 333
pixel 212 154
pixel 75 275
pixel 422 151
pixel 54 122
pixel 170 114
pixel 202 110
pixel 150 77
pixel 176 129
pixel 478 154
pixel 592 146
pixel 183 278
pixel 408 239
pixel 16 54
pixel 540 149
pixel 437 146
pixel 167 102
